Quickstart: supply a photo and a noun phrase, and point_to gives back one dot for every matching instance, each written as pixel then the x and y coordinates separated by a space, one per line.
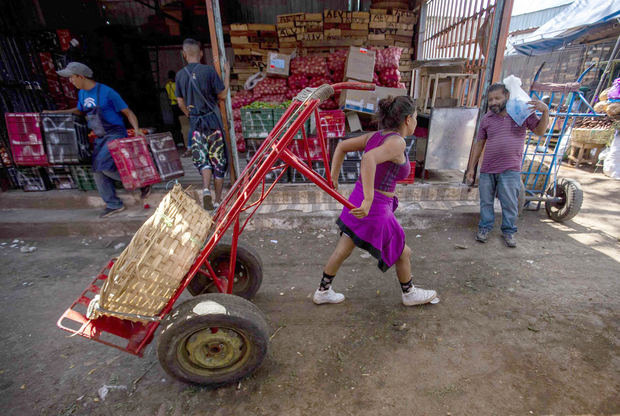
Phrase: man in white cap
pixel 104 109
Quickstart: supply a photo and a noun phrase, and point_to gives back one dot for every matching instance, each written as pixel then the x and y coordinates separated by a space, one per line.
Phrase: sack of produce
pixel 601 106
pixel 517 106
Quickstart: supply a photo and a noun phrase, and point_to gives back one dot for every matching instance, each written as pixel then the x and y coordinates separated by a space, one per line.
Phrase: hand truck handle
pixel 353 86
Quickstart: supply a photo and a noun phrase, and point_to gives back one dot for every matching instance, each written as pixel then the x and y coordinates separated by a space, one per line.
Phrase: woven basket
pixel 149 271
pixel 591 136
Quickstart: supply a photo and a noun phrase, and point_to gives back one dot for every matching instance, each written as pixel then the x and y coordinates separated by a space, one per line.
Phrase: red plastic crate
pixel 411 177
pixel 134 162
pixel 299 149
pixel 332 123
pixel 25 137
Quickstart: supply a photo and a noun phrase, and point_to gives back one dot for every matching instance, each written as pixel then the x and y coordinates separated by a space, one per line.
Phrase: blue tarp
pixel 570 24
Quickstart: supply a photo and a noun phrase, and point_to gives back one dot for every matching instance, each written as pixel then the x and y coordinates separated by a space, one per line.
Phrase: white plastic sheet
pixel 611 165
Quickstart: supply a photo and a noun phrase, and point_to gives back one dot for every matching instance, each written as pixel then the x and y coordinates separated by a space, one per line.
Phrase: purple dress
pixel 379 232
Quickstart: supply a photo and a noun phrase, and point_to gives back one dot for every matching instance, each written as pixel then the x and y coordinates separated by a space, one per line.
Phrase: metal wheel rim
pixel 221 266
pixel 560 193
pixel 213 351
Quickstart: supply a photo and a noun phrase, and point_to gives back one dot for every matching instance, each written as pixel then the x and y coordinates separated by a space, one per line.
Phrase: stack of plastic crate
pixel 83 177
pixel 24 130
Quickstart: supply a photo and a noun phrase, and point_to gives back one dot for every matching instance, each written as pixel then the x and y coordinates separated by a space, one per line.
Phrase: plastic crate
pixel 24 131
pixel 277 115
pixel 297 177
pixel 256 123
pixel 332 123
pixel 350 171
pixel 353 156
pixel 165 155
pixel 252 147
pixel 61 177
pixel 66 138
pixel 134 162
pixel 33 179
pixel 299 149
pixel 83 176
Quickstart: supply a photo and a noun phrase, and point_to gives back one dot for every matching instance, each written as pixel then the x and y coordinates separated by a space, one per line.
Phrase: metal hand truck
pixel 216 338
pixel 541 161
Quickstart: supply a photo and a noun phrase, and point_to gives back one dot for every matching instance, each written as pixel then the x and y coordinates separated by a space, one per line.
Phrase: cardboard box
pixel 353 120
pixel 385 92
pixel 361 101
pixel 278 64
pixel 360 64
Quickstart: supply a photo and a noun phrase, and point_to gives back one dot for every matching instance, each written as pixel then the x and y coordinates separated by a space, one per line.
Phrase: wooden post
pixel 501 42
pixel 217 42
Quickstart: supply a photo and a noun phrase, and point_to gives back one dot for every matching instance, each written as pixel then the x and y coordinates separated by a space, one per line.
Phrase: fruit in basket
pixel 594 123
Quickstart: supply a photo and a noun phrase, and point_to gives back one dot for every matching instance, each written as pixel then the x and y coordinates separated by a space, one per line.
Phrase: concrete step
pixel 282 194
pixel 36 223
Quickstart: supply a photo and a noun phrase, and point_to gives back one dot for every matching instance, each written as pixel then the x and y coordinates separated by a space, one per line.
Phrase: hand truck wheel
pixel 571 194
pixel 248 271
pixel 213 340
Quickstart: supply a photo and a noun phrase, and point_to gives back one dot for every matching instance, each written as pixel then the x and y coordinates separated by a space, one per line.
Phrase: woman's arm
pixel 389 150
pixel 350 145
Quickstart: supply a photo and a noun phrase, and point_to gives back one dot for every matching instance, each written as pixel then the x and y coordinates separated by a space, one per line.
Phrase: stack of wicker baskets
pixel 149 271
pixel 591 136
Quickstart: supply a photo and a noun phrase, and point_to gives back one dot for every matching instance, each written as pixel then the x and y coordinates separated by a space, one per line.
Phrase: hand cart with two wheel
pixel 218 336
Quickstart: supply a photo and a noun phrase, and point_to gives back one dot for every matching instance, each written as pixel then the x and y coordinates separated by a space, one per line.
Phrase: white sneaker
pixel 327 296
pixel 417 296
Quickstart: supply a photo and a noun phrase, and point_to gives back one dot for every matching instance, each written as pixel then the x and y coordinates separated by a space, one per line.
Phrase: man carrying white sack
pixel 500 173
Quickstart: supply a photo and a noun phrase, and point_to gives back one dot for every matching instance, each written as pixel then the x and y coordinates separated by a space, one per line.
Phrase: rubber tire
pixel 250 260
pixel 574 200
pixel 237 313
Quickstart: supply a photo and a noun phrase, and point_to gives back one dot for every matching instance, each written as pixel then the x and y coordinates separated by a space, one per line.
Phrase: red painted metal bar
pixel 322 143
pixel 306 146
pixel 233 256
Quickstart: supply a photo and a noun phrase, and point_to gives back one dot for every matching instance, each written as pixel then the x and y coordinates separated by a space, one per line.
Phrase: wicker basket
pixel 149 271
pixel 591 136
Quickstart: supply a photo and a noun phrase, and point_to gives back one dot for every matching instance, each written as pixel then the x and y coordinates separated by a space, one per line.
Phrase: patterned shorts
pixel 209 152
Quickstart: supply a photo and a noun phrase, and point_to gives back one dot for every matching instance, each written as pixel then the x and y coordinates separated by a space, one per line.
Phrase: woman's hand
pixel 363 209
pixel 335 180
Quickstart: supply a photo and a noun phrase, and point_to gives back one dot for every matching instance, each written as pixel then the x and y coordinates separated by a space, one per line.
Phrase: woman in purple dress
pixel 372 226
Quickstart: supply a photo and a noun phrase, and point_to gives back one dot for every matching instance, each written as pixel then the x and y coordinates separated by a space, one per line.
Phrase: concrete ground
pixel 531 330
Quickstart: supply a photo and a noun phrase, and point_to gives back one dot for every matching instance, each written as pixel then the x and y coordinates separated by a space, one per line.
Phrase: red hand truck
pixel 218 336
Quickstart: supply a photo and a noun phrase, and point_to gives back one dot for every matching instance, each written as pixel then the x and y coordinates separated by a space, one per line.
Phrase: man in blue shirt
pixel 198 90
pixel 104 110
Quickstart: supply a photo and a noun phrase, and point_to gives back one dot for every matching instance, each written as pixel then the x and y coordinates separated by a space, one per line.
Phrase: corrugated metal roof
pixel 534 19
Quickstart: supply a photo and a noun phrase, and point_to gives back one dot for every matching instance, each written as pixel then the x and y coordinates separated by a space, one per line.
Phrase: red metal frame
pixel 245 196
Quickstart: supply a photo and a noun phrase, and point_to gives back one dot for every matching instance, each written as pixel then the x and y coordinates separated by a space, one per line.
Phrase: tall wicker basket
pixel 150 269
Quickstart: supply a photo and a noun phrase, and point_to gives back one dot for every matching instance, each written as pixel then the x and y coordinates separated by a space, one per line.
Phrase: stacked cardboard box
pixel 251 44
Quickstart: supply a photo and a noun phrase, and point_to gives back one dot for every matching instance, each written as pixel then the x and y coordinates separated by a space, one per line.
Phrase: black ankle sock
pixel 406 286
pixel 326 282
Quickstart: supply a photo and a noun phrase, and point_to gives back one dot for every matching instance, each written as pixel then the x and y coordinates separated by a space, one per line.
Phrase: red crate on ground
pixel 134 162
pixel 166 156
pixel 332 123
pixel 25 137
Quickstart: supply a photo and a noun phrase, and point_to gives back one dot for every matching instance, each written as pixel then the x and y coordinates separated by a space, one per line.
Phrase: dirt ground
pixel 531 330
